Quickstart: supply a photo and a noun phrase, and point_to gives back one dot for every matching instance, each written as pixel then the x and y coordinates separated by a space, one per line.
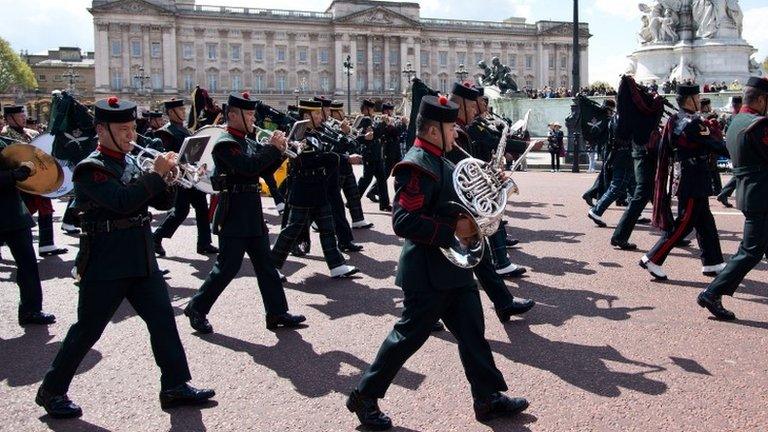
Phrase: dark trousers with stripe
pixel 299 219
pixel 352 194
pixel 97 303
pixel 753 248
pixel 375 169
pixel 228 263
pixel 178 214
pixel 27 274
pixel 692 213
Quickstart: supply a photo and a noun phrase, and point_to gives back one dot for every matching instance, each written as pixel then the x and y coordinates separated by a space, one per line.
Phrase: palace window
pixel 135 48
pixel 563 62
pixel 425 58
pixel 377 56
pixel 258 53
pixel 187 50
pixel 258 82
pixel 551 61
pixel 529 61
pixel 512 61
pixel 325 83
pixel 237 82
pixel 280 53
pixel 378 84
pixel 360 83
pixel 282 82
pixel 235 51
pixel 360 56
pixel 117 48
pixel 155 49
pixel 443 58
pixel 189 81
pixel 213 82
pixel 116 80
pixel 324 55
pixel 394 55
pixel 211 49
pixel 461 58
pixel 157 80
pixel 443 84
pixel 303 54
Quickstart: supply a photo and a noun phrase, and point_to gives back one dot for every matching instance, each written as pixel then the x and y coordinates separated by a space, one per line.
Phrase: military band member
pixel 433 287
pixel 346 174
pixel 730 187
pixel 308 198
pixel 373 165
pixel 15 130
pixel 390 142
pixel 477 140
pixel 16 233
pixel 332 143
pixel 747 141
pixel 116 261
pixel 692 142
pixel 173 135
pixel 239 221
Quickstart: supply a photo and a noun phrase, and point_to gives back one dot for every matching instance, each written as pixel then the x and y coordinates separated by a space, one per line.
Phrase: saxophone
pixel 483 192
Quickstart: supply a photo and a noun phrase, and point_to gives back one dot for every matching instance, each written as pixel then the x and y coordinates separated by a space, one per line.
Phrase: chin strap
pixel 112 137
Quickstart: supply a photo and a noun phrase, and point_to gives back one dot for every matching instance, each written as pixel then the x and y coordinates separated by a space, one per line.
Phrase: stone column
pixel 127 75
pixel 338 63
pixel 584 62
pixel 417 57
pixel 293 78
pixel 356 70
pixel 101 56
pixel 369 70
pixel 386 63
pixel 543 64
pixel 404 44
pixel 170 67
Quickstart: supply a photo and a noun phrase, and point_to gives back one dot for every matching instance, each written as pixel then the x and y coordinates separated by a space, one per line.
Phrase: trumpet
pixel 183 174
pixel 292 148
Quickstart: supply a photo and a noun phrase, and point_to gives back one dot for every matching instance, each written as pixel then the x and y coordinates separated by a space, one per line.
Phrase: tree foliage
pixel 14 72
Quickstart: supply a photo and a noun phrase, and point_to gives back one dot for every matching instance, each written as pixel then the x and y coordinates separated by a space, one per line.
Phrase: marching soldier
pixel 308 198
pixel 434 288
pixel 116 261
pixel 333 144
pixel 347 180
pixel 730 187
pixel 390 142
pixel 239 221
pixel 692 142
pixel 16 233
pixel 15 130
pixel 747 141
pixel 173 135
pixel 373 166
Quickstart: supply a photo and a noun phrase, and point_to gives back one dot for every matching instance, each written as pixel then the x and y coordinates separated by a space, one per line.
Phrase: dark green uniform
pixel 16 233
pixel 747 141
pixel 116 261
pixel 173 136
pixel 239 222
pixel 433 287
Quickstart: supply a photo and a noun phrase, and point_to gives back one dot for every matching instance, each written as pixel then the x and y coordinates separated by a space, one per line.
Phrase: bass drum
pixel 206 160
pixel 45 143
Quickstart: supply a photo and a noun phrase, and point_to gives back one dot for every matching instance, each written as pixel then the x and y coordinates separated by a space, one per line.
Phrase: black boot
pixel 368 412
pixel 714 304
pixel 438 326
pixel 498 405
pixel 208 249
pixel 724 200
pixel 159 249
pixel 350 247
pixel 57 406
pixel 624 245
pixel 197 320
pixel 285 320
pixel 518 307
pixel 184 394
pixel 39 318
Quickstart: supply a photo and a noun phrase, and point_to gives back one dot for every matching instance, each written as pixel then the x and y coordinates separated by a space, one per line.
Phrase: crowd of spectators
pixel 562 92
pixel 668 87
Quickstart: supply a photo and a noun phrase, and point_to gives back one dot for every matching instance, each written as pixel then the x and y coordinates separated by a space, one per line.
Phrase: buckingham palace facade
pixel 164 48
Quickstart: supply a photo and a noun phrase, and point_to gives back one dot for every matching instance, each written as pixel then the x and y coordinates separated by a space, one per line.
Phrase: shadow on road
pixel 311 374
pixel 347 297
pixel 70 425
pixel 190 418
pixel 25 359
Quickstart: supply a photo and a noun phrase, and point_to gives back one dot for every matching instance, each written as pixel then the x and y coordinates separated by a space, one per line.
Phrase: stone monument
pixel 698 40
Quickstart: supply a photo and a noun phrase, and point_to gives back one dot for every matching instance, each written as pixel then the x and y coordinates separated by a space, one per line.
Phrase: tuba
pixel 483 193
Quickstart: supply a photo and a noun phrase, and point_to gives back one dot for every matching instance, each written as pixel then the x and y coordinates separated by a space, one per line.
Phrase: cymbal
pixel 48 175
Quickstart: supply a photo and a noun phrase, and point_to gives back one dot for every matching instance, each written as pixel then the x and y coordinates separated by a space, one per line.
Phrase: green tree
pixel 14 72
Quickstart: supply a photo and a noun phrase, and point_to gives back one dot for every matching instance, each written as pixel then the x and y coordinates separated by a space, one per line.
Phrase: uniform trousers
pixel 299 219
pixel 352 194
pixel 178 214
pixel 371 169
pixel 232 250
pixel 753 248
pixel 27 275
pixel 645 172
pixel 461 311
pixel 98 301
pixel 692 213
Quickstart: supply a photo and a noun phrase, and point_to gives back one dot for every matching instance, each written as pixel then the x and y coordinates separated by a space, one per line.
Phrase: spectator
pixel 555 145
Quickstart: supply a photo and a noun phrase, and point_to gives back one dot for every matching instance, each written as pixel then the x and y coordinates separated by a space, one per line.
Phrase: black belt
pixel 244 188
pixel 106 226
pixel 311 173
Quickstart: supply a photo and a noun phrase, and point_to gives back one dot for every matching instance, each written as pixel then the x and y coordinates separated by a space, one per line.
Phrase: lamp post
pixel 462 73
pixel 348 66
pixel 576 85
pixel 296 94
pixel 71 77
pixel 142 78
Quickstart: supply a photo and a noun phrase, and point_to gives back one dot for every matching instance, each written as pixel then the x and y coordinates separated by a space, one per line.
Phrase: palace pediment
pixel 378 16
pixel 133 7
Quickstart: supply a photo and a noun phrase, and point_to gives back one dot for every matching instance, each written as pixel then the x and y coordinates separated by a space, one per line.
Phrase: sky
pixel 39 25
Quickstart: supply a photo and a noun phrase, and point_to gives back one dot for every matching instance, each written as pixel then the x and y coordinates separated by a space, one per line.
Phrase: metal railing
pixel 256 12
pixel 516 27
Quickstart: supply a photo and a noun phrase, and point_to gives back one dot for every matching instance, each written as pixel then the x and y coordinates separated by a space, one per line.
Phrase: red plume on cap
pixel 467 84
pixel 113 101
pixel 246 95
pixel 443 100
